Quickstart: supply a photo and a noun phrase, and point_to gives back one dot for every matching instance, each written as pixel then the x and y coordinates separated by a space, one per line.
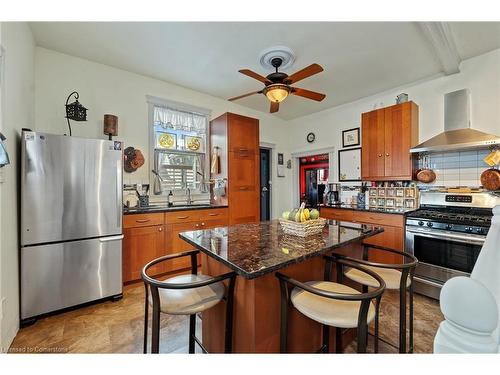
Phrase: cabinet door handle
pixel 243 149
pixel 213 214
pixel 182 217
pixel 243 187
pixel 160 229
pixel 202 224
pixel 379 155
pixel 142 220
pixel 387 154
pixel 197 225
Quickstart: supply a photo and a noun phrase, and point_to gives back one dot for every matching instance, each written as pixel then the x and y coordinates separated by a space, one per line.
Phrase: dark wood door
pixel 141 245
pixel 265 186
pixel 372 154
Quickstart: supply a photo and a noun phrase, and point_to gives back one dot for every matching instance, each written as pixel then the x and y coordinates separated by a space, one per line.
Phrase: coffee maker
pixel 332 196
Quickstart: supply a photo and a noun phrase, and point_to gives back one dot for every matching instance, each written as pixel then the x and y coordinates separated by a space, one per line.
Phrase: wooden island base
pixel 257 313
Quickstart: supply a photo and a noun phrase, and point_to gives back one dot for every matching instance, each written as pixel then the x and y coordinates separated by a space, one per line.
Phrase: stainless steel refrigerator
pixel 71 222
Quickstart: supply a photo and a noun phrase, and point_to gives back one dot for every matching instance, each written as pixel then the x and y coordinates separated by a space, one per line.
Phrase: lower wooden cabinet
pixel 149 236
pixel 141 245
pixel 392 237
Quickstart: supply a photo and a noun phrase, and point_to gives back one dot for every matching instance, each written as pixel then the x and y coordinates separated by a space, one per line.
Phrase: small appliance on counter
pixel 332 196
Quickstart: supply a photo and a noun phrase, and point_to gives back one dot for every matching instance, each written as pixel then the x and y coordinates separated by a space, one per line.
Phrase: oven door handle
pixel 449 236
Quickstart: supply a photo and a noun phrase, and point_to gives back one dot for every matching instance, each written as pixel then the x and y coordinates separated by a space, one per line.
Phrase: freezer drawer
pixel 62 275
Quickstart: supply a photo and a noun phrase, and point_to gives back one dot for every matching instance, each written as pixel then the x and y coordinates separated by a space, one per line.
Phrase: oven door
pixel 442 254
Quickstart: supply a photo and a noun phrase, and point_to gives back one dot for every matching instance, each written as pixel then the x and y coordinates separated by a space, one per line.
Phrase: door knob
pixel 264 188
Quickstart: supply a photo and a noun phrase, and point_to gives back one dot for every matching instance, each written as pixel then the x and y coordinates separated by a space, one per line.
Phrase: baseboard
pixel 7 338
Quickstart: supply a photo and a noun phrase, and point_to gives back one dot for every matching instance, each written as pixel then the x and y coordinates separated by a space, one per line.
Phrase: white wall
pixel 104 89
pixel 17 112
pixel 480 74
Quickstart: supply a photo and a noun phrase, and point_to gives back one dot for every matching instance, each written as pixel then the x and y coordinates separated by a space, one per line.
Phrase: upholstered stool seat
pixel 332 312
pixel 189 301
pixel 391 277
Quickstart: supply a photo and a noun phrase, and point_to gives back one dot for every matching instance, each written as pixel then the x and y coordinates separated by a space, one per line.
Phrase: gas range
pixel 446 235
pixel 461 220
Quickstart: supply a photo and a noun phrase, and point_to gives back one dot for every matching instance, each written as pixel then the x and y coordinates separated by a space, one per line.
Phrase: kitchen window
pixel 179 151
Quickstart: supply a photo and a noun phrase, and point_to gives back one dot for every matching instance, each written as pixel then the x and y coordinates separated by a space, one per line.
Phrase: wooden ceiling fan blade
pixel 254 75
pixel 308 94
pixel 245 95
pixel 274 107
pixel 304 73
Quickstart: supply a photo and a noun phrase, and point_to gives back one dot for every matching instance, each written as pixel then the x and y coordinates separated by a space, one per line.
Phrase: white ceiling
pixel 359 58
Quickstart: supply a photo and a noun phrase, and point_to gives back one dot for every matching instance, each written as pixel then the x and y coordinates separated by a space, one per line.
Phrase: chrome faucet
pixel 188 197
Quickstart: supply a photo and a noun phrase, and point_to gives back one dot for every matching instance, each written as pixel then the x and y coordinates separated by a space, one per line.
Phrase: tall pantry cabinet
pixel 236 141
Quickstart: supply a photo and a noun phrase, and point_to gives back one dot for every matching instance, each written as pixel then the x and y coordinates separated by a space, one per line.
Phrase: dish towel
pixel 215 167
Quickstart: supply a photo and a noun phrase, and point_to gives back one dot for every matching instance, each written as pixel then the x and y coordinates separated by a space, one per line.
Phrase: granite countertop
pixel 397 211
pixel 253 250
pixel 145 210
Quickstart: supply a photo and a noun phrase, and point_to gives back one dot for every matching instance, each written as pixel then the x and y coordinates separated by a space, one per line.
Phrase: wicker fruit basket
pixel 304 229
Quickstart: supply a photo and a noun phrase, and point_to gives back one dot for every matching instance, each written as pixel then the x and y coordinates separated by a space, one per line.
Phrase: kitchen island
pixel 255 252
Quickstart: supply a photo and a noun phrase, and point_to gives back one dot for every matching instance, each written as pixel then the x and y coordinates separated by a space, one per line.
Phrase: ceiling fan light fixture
pixel 277 92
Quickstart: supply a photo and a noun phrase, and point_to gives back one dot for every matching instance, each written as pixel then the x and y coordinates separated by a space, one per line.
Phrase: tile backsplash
pixel 461 168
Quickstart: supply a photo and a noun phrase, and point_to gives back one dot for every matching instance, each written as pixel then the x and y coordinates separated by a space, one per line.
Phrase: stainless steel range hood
pixel 457 133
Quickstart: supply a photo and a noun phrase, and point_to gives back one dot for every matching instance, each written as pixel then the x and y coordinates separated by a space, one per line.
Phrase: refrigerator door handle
pixel 119 193
pixel 112 238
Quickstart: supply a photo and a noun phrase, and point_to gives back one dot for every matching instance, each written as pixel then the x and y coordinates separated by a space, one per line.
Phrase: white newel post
pixel 471 305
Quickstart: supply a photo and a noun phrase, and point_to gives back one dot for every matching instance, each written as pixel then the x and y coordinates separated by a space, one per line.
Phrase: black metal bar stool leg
pixel 411 317
pixel 192 332
pixel 377 317
pixel 402 320
pixel 283 317
pixel 228 339
pixel 338 340
pixel 146 308
pixel 326 339
pixel 155 339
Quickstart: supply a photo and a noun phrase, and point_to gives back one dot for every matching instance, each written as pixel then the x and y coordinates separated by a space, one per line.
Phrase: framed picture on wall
pixel 350 137
pixel 350 164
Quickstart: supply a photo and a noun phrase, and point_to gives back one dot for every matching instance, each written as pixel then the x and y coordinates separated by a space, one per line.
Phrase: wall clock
pixel 311 137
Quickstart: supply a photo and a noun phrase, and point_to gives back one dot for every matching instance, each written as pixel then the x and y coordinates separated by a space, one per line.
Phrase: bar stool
pixel 396 277
pixel 186 295
pixel 331 304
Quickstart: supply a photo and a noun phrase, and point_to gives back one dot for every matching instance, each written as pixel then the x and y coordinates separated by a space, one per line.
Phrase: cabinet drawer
pixel 378 219
pixel 213 214
pixel 391 237
pixel 336 214
pixel 182 216
pixel 142 220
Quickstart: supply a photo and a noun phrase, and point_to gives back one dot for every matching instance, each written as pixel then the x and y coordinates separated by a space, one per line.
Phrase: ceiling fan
pixel 277 84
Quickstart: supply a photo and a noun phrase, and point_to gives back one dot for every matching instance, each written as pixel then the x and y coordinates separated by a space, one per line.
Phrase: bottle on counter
pixel 170 199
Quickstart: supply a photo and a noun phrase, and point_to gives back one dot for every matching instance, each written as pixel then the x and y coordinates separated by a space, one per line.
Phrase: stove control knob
pixel 420 223
pixel 429 224
pixel 449 226
pixel 480 230
pixel 469 229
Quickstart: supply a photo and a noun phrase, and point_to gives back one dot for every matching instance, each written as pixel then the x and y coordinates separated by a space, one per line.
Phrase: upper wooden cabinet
pixel 237 140
pixel 388 135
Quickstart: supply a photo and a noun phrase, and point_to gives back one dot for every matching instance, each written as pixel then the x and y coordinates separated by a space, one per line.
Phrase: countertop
pixel 253 250
pixel 145 210
pixel 396 211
